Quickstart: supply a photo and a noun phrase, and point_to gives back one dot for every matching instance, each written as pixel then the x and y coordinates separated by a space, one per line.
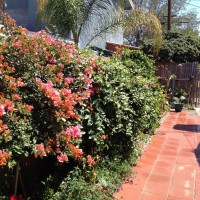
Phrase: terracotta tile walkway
pixel 169 168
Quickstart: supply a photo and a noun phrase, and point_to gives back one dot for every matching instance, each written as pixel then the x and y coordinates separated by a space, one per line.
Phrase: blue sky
pixel 195 5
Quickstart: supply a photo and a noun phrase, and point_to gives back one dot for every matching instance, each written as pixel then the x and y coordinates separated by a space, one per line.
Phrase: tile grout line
pixel 170 131
pixel 194 179
pixel 170 184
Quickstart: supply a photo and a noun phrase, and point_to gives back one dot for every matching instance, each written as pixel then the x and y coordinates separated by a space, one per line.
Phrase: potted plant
pixel 178 100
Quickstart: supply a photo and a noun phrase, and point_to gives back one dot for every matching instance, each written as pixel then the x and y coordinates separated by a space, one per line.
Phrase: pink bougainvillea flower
pixel 50 83
pixel 60 75
pixel 2 126
pixel 50 92
pixel 104 137
pixel 52 60
pixel 90 108
pixel 16 97
pixel 40 150
pixel 20 83
pixel 74 132
pixel 17 44
pixel 69 80
pixel 62 158
pixel 38 80
pixel 9 105
pixel 29 107
pixel 2 110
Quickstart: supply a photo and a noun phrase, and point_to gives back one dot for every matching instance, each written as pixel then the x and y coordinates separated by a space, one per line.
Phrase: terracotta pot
pixel 113 47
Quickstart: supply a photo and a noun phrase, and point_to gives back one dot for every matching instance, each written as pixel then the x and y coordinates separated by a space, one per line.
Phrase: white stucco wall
pixel 27 18
pixel 96 23
pixel 111 36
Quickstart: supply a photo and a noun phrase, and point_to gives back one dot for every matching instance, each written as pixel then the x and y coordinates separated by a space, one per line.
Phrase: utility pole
pixel 169 15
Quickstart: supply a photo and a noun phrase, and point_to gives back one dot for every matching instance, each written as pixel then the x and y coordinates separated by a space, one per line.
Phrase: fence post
pixel 173 86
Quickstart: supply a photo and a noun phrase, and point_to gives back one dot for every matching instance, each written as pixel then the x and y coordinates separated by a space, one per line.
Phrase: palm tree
pixel 92 18
pixel 78 16
pixel 139 19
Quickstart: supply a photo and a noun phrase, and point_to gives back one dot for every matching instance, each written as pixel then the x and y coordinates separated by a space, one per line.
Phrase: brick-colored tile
pixel 151 196
pixel 169 168
pixel 164 171
pixel 182 193
pixel 157 188
pixel 166 163
pixel 173 198
pixel 159 179
pixel 183 182
pixel 128 194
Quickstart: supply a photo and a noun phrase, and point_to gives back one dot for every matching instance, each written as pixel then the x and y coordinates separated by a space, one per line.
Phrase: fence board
pixel 187 77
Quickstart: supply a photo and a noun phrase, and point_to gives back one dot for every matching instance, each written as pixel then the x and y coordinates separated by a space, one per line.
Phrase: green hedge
pixel 176 47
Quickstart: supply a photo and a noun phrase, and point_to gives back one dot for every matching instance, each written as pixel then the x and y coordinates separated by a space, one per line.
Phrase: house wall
pixel 32 10
pixel 24 12
pixel 16 4
pixel 114 37
pixel 96 23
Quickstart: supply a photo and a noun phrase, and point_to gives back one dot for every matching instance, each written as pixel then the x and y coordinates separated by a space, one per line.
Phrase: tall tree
pixel 144 24
pixel 182 18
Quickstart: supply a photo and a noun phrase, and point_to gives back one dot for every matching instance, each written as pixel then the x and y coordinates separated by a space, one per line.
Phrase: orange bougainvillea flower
pixel 3 158
pixel 62 158
pixel 90 161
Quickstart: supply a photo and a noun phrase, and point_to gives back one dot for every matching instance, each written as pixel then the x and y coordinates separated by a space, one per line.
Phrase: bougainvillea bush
pixel 125 109
pixel 86 115
pixel 44 86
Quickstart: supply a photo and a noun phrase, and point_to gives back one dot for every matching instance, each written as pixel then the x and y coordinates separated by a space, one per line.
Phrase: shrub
pixel 44 86
pixel 58 102
pixel 176 47
pixel 128 102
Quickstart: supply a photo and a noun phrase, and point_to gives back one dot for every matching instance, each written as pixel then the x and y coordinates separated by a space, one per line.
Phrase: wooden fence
pixel 187 77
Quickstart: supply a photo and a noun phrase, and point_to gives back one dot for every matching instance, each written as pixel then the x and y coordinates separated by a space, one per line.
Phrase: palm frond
pixel 95 9
pixel 107 24
pixel 138 17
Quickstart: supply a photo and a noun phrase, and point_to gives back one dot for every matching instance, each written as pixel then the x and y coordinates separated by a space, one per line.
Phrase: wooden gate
pixel 187 77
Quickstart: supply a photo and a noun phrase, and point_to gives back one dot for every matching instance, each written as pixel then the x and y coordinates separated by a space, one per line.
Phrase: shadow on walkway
pixel 184 127
pixel 197 153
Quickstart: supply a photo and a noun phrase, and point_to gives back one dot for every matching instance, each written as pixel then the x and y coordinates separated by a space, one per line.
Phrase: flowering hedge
pixel 59 102
pixel 129 101
pixel 125 110
pixel 45 85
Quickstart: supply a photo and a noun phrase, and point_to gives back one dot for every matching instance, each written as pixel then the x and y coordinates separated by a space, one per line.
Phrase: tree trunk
pixel 75 36
pixel 1 6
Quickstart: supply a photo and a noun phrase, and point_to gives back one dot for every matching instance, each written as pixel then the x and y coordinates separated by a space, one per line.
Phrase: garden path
pixel 169 168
